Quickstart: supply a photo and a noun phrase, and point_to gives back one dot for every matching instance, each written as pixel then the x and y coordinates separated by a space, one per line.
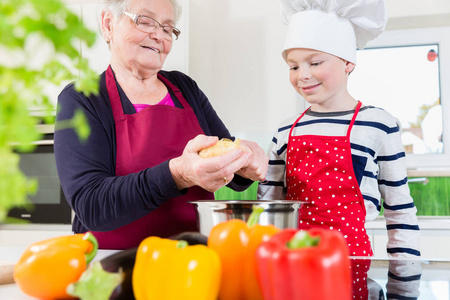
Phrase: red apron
pixel 319 171
pixel 143 140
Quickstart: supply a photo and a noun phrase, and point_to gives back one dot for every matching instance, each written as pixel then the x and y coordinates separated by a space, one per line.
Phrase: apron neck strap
pixel 113 93
pixel 355 114
pixel 174 89
pixel 116 104
pixel 296 121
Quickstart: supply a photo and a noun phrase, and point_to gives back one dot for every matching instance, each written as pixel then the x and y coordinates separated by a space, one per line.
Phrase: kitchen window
pixel 407 73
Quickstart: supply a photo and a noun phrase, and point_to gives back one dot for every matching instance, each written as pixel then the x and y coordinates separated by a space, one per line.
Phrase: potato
pixel 221 147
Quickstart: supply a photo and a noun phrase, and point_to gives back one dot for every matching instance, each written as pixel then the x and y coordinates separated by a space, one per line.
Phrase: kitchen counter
pixel 429 278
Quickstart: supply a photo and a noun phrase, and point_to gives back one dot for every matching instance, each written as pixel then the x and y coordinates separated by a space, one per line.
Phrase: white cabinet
pixel 26 234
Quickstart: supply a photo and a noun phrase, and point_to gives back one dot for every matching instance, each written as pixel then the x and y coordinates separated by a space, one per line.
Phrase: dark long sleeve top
pixel 101 200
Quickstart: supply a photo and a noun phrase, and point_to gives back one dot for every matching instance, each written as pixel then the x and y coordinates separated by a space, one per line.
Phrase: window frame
pixel 421 36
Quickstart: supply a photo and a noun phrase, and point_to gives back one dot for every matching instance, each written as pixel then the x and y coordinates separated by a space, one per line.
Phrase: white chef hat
pixel 336 27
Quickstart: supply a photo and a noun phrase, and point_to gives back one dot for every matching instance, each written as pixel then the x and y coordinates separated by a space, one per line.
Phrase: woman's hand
pixel 258 164
pixel 190 169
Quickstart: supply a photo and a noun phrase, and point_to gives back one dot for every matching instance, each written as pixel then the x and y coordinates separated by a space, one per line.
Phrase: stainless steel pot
pixel 280 213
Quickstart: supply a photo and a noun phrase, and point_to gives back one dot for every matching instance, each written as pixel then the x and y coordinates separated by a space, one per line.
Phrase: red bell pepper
pixel 305 265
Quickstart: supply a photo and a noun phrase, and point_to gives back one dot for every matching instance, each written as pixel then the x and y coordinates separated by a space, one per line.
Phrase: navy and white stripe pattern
pixel 379 163
pixel 403 279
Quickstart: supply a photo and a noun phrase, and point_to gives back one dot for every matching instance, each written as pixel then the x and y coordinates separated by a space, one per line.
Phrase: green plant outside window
pixel 431 199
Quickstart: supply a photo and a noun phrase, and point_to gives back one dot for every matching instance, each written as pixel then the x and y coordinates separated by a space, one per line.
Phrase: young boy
pixel 340 157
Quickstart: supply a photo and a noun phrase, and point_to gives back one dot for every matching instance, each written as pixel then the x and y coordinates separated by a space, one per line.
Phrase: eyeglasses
pixel 149 25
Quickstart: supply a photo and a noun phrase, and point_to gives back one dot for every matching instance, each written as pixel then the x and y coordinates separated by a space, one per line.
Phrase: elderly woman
pixel 140 166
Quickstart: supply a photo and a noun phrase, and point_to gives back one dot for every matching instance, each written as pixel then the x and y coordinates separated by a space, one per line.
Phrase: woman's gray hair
pixel 117 7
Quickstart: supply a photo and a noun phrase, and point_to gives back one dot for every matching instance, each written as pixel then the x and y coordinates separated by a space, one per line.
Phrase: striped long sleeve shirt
pixel 379 163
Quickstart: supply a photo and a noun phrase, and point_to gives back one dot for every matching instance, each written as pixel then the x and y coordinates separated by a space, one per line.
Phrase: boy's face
pixel 321 78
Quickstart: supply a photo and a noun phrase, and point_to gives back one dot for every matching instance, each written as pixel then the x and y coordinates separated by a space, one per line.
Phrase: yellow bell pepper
pixel 168 269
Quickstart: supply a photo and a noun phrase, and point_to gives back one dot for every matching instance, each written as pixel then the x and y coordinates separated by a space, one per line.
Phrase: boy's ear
pixel 349 67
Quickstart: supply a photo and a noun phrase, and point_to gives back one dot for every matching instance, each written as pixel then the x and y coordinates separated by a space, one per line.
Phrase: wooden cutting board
pixel 6 272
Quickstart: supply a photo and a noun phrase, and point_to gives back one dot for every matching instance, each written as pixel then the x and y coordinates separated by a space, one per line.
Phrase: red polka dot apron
pixel 143 140
pixel 319 172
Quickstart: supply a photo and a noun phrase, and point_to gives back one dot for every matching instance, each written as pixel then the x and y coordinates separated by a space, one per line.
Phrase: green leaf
pixel 95 283
pixel 52 24
pixel 81 125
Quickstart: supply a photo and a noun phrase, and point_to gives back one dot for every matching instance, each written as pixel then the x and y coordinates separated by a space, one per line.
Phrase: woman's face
pixel 136 50
pixel 321 78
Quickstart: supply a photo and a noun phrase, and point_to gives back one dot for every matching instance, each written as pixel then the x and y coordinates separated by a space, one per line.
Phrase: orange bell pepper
pixel 46 268
pixel 236 243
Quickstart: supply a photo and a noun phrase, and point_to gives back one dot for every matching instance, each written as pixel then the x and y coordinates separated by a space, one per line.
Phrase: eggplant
pixel 191 237
pixel 124 260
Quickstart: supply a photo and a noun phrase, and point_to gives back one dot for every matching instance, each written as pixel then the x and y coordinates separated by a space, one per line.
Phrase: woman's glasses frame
pixel 148 25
